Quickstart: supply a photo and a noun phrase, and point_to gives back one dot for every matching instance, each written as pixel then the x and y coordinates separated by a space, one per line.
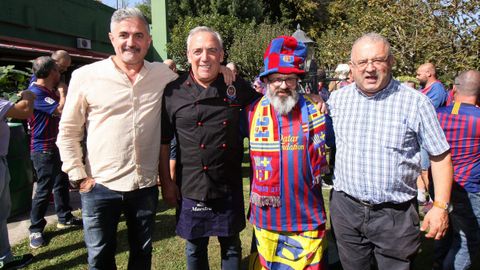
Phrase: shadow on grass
pixel 165 221
pixel 55 255
pixel 164 227
pixel 80 260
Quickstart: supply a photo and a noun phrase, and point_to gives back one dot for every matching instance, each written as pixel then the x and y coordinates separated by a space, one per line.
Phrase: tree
pixel 461 35
pixel 443 32
pixel 311 14
pixel 223 24
pixel 249 45
pixel 146 8
pixel 243 10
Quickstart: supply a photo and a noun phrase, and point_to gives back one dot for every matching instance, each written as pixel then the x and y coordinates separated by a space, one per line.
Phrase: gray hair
pixel 42 66
pixel 127 13
pixel 468 83
pixel 207 29
pixel 375 37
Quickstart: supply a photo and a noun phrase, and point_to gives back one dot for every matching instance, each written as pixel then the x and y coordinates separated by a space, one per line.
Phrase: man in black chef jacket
pixel 204 113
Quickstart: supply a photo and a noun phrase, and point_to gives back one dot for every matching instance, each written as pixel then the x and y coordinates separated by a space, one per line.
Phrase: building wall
pixel 57 22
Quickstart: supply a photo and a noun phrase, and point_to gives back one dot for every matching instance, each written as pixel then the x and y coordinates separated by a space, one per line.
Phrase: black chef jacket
pixel 206 123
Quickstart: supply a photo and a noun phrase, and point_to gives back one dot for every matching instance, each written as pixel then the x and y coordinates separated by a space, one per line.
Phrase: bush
pixel 12 81
pixel 406 78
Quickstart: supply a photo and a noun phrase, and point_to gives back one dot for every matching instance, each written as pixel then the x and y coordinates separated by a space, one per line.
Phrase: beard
pixel 422 84
pixel 282 105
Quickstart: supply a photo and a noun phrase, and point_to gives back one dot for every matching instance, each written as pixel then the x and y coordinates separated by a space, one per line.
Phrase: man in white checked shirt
pixel 379 127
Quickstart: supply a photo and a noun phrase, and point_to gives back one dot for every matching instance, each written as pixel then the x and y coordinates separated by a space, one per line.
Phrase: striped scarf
pixel 265 148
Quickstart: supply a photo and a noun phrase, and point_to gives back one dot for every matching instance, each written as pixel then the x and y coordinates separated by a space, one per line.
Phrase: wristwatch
pixel 443 205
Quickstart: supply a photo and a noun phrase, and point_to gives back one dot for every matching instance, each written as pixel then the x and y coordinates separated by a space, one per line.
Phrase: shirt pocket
pixel 393 135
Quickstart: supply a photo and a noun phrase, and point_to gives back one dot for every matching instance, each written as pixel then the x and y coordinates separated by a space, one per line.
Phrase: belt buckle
pixel 367 204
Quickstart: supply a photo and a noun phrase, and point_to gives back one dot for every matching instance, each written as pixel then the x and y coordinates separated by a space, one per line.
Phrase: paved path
pixel 18 225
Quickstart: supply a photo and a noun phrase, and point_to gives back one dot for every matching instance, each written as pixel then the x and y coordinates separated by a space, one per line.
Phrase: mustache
pixel 278 92
pixel 134 49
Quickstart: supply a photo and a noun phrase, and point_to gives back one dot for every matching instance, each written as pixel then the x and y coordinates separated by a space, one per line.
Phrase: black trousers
pixel 387 233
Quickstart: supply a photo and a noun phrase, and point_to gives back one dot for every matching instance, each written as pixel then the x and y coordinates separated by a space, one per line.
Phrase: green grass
pixel 66 249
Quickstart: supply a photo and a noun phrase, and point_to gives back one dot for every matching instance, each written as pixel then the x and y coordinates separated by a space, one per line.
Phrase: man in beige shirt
pixel 117 102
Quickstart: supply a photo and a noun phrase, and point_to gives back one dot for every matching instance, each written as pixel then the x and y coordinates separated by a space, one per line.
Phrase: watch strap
pixel 442 205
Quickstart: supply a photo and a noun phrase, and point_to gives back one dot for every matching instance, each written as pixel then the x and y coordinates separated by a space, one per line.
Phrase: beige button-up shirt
pixel 121 123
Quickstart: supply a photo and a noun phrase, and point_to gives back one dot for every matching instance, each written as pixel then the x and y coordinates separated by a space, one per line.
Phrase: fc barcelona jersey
pixel 43 124
pixel 301 206
pixel 461 124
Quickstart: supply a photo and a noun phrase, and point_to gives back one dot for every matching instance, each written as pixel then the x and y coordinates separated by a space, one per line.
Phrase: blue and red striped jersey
pixel 461 124
pixel 301 202
pixel 43 124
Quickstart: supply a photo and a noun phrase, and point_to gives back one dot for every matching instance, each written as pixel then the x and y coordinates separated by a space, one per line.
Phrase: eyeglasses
pixel 376 62
pixel 290 81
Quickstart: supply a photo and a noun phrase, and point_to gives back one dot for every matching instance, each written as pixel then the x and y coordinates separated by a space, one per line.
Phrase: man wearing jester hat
pixel 287 151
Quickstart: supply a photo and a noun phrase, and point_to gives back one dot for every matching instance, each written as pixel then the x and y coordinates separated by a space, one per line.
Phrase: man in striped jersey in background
pixel 287 139
pixel 461 124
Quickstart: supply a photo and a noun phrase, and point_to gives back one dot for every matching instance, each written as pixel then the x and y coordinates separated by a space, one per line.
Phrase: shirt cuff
pixel 77 174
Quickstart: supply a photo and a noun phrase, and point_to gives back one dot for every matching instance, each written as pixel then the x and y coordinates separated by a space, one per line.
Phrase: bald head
pixel 468 83
pixel 63 60
pixel 426 74
pixel 57 55
pixel 428 67
pixel 371 38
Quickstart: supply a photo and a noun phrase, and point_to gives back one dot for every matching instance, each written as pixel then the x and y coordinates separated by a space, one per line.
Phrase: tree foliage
pixel 445 32
pixel 12 81
pixel 244 10
pixel 223 24
pixel 256 39
pixel 244 43
pixel 145 8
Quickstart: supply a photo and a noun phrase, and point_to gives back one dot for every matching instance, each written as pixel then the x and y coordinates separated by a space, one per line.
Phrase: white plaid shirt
pixel 378 141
